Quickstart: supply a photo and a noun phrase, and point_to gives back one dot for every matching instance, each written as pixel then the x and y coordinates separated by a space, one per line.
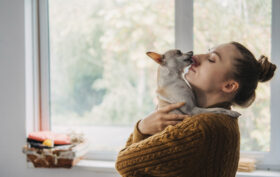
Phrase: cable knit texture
pixel 204 145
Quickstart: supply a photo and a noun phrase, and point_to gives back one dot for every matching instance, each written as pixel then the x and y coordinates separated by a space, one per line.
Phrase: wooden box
pixel 65 156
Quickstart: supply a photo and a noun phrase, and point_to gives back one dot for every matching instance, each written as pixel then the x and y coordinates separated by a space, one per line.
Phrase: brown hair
pixel 248 71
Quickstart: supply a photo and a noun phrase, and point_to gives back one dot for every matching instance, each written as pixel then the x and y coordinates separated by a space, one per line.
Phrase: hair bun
pixel 266 69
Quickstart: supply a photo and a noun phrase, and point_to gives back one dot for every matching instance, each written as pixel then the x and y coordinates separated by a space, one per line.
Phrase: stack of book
pixel 53 150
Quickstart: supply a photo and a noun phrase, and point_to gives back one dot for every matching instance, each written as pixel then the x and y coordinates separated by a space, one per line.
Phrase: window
pixel 241 21
pixel 100 81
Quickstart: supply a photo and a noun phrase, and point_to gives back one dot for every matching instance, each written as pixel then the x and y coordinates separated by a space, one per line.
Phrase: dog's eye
pixel 178 52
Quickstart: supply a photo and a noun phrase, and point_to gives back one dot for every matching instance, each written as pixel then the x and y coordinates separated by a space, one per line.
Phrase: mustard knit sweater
pixel 204 145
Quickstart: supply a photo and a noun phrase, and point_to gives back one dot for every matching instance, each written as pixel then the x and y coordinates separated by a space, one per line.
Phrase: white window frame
pixel 37 65
pixel 183 40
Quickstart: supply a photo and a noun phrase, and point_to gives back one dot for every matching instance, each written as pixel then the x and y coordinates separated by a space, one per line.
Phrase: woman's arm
pixel 136 135
pixel 163 153
pixel 155 122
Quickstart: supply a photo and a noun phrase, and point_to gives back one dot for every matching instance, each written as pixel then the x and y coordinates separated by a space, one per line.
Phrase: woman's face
pixel 210 70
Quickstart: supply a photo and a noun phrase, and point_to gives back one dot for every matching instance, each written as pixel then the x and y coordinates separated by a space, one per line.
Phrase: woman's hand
pixel 158 120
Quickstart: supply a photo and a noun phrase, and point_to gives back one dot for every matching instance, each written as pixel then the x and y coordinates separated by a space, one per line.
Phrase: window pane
pixel 102 81
pixel 247 22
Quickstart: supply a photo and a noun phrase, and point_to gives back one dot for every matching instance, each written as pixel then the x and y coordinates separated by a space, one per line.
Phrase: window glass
pixel 102 81
pixel 247 22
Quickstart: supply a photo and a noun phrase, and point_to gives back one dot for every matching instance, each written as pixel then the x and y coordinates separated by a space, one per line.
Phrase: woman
pixel 205 145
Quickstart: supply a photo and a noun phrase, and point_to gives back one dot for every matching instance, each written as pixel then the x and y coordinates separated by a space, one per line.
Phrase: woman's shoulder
pixel 213 117
pixel 213 122
pixel 206 124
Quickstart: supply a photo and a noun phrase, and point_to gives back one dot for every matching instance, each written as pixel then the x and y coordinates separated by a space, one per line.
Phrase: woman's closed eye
pixel 211 61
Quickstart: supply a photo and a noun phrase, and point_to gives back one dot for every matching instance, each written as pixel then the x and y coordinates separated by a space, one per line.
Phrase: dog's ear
pixel 156 57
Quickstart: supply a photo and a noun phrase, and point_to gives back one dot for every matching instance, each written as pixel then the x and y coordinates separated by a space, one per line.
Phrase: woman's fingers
pixel 174 116
pixel 173 122
pixel 171 107
pixel 186 116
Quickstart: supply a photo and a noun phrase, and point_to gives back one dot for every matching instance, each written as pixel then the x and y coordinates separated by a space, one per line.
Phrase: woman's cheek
pixel 208 80
pixel 201 81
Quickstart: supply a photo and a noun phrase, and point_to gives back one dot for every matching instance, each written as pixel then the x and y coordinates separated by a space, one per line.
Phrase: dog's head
pixel 172 58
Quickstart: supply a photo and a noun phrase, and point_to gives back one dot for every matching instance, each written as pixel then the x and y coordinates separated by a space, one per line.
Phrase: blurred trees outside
pixel 249 23
pixel 100 74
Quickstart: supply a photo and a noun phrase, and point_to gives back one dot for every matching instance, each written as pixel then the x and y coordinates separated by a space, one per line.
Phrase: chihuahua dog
pixel 172 87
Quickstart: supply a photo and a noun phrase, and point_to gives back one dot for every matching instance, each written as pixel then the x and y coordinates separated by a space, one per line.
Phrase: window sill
pixel 259 173
pixel 109 167
pixel 93 165
pixel 97 166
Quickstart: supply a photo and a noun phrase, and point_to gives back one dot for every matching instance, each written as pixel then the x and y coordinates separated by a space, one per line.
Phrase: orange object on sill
pixel 58 138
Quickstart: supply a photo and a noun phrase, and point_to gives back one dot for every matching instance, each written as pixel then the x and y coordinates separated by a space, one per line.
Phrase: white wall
pixel 12 99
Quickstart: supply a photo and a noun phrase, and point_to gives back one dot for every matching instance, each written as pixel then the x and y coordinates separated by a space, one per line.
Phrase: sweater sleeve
pixel 156 154
pixel 136 135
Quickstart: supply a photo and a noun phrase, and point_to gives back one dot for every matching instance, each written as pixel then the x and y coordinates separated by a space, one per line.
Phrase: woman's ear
pixel 230 86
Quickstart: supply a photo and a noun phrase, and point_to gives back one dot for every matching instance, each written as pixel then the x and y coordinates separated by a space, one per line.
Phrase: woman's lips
pixel 195 62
